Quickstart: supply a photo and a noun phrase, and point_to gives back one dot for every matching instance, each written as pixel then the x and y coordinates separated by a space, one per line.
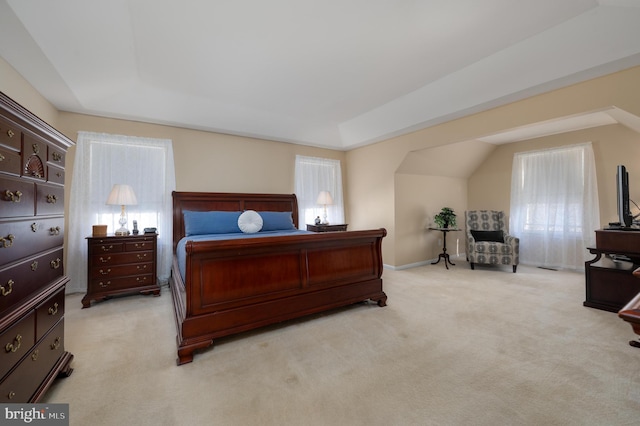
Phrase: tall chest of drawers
pixel 32 279
pixel 119 265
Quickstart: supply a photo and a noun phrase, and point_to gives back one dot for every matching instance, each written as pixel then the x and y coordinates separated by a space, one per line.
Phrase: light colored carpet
pixel 456 347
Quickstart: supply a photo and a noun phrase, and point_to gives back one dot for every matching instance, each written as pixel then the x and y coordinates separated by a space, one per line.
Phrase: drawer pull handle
pixel 14 197
pixel 54 230
pixel 4 290
pixel 140 245
pixel 7 242
pixel 56 156
pixel 142 267
pixel 107 272
pixel 34 227
pixel 11 394
pixel 12 347
pixel 143 279
pixel 55 264
pixel 1 157
pixel 34 265
pixel 34 355
pixel 56 344
pixel 51 198
pixel 54 309
pixel 107 248
pixel 103 285
pixel 142 256
pixel 103 260
pixel 10 133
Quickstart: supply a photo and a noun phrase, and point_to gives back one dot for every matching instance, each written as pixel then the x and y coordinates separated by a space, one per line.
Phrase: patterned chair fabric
pixel 490 252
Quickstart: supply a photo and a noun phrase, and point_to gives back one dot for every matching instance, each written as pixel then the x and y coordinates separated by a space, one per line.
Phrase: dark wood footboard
pixel 237 285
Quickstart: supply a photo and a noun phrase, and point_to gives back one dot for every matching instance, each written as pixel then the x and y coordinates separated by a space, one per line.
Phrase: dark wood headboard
pixel 228 201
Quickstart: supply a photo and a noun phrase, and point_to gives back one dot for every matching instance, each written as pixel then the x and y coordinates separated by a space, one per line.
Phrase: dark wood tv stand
pixel 610 283
pixel 631 313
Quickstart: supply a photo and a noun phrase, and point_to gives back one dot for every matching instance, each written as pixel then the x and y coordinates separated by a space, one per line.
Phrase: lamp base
pixel 122 232
pixel 324 217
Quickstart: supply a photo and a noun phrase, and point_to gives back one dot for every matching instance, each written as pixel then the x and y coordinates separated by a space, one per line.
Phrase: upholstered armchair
pixel 488 241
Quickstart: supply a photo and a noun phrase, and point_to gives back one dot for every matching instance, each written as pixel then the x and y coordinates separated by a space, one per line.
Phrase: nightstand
pixel 120 265
pixel 327 228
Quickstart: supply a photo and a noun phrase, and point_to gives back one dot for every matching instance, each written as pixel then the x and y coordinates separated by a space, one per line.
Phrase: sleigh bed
pixel 227 283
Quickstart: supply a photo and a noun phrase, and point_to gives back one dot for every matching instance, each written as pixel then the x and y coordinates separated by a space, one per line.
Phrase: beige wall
pixel 439 176
pixel 612 145
pixel 418 199
pixel 211 161
pixel 374 184
pixel 381 190
pixel 204 161
pixel 17 88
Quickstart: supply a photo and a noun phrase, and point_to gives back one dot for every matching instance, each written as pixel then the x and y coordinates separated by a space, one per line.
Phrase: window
pixel 312 176
pixel 554 205
pixel 103 160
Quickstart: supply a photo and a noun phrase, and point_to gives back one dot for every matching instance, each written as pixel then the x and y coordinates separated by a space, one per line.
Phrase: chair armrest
pixel 470 238
pixel 511 240
pixel 514 242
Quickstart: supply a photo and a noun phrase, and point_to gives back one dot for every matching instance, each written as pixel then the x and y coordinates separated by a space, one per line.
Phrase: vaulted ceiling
pixel 333 73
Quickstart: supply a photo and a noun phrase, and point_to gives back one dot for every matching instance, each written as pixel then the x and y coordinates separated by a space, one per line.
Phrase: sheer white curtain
pixel 103 160
pixel 554 206
pixel 313 175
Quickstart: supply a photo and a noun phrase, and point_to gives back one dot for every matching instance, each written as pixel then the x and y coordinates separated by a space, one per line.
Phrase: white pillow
pixel 250 222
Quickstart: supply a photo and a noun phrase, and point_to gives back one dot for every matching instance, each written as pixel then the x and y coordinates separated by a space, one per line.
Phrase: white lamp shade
pixel 122 195
pixel 324 198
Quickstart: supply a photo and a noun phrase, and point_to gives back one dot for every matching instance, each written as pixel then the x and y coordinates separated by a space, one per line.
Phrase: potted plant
pixel 445 218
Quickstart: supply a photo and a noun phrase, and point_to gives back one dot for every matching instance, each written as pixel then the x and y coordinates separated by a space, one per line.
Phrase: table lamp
pixel 122 195
pixel 324 198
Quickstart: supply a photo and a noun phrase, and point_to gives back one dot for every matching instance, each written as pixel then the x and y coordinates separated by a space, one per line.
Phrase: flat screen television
pixel 624 209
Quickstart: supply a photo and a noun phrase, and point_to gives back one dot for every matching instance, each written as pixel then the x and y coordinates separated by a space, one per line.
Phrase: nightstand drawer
pixel 140 244
pixel 120 283
pixel 121 270
pixel 100 261
pixel 105 246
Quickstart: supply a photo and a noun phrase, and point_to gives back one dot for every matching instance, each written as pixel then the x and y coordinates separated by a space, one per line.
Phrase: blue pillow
pixel 276 221
pixel 211 222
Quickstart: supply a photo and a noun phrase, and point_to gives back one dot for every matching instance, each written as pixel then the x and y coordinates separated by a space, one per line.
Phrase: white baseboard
pixel 408 266
pixel 461 256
